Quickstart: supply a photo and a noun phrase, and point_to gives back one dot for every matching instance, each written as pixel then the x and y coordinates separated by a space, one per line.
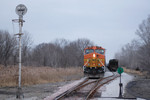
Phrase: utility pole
pixel 20 11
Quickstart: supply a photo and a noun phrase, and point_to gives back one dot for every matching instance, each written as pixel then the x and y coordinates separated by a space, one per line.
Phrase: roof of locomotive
pixel 94 47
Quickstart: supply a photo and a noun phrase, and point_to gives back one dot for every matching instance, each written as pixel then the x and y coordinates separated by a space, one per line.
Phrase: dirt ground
pixel 34 92
pixel 139 87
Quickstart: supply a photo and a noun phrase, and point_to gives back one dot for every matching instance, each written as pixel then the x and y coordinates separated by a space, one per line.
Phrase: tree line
pixel 59 53
pixel 136 55
pixel 9 48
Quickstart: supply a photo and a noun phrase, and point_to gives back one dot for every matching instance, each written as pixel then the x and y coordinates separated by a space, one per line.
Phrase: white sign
pixel 21 10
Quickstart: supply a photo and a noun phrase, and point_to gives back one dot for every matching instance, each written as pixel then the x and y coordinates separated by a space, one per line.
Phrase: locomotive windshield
pixel 87 51
pixel 100 51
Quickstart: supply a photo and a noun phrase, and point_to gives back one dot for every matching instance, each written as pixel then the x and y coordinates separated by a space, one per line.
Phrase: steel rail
pixel 81 85
pixel 97 86
pixel 96 81
pixel 70 90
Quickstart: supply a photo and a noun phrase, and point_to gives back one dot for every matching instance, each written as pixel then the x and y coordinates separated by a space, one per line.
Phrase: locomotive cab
pixel 94 60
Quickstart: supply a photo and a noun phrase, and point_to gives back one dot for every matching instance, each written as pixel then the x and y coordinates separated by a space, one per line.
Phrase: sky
pixel 108 23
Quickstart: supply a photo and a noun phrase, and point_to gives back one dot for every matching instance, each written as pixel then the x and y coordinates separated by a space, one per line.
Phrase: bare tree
pixel 60 53
pixel 46 54
pixel 74 52
pixel 144 51
pixel 26 48
pixel 137 53
pixel 7 46
pixel 128 56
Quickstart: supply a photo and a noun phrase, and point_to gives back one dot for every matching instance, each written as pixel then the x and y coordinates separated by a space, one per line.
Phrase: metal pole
pixel 20 10
pixel 120 88
pixel 19 92
pixel 120 78
pixel 20 32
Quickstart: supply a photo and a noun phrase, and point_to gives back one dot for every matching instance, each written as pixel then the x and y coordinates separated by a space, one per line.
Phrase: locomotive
pixel 113 65
pixel 94 61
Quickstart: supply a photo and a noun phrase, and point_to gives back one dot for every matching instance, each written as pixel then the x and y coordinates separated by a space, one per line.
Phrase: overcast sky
pixel 108 23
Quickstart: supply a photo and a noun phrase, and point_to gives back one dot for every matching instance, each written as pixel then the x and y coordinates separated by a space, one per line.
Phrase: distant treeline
pixel 136 55
pixel 59 53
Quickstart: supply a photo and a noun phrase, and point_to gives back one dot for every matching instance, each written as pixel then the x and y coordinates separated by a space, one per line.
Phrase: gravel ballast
pixel 139 88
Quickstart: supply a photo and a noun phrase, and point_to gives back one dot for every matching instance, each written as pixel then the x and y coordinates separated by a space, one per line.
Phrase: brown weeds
pixel 35 75
pixel 134 71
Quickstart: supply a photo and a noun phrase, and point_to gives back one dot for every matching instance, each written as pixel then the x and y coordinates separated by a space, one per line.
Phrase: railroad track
pixel 91 85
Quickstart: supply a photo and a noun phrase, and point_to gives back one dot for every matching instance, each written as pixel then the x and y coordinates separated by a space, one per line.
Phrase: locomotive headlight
pixel 94 55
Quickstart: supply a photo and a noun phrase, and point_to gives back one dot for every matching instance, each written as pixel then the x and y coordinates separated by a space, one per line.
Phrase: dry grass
pixel 35 75
pixel 134 71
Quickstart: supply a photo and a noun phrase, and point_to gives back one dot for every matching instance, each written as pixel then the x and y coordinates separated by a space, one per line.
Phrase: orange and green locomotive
pixel 94 60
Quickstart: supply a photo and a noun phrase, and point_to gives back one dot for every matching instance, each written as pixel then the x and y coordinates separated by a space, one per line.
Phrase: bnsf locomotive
pixel 94 60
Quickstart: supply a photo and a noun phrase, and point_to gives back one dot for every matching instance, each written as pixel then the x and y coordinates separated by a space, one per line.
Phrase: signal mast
pixel 20 11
